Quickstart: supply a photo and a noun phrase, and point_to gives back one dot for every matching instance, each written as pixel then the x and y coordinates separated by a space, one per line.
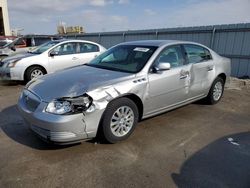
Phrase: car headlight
pixel 69 105
pixel 12 63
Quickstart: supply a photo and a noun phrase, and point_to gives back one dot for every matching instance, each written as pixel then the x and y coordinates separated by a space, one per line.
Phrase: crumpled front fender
pixel 103 96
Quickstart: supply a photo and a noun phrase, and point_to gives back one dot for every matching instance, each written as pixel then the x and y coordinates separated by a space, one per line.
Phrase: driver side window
pixel 172 55
pixel 65 49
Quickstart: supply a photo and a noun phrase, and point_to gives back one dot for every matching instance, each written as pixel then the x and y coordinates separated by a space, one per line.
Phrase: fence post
pixel 99 38
pixel 123 35
pixel 156 34
pixel 212 38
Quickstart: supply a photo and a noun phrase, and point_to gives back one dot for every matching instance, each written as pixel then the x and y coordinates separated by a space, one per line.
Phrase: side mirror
pixel 13 48
pixel 53 53
pixel 163 66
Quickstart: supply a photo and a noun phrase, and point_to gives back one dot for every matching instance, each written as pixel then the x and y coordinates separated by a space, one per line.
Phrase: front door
pixel 168 88
pixel 64 56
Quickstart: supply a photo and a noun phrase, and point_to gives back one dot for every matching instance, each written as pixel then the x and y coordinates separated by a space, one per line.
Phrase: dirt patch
pixel 238 84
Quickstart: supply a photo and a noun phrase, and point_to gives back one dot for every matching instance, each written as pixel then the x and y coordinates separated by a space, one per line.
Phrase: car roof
pixel 157 43
pixel 73 40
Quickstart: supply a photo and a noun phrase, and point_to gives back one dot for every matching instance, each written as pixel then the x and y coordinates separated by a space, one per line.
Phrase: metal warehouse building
pixel 231 41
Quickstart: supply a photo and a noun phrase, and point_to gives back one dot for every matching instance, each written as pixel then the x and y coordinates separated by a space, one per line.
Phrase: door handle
pixel 210 68
pixel 74 58
pixel 184 74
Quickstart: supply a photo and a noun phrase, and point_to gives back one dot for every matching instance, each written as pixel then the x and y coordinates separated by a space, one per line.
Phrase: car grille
pixel 30 100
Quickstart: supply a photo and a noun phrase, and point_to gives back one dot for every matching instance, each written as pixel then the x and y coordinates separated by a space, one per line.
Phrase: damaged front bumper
pixel 59 129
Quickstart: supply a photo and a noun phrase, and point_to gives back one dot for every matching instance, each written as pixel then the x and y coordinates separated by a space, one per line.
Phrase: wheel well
pixel 223 76
pixel 138 103
pixel 45 71
pixel 132 97
pixel 3 56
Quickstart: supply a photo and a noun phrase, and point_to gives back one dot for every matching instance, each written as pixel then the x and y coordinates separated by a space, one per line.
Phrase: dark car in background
pixel 23 44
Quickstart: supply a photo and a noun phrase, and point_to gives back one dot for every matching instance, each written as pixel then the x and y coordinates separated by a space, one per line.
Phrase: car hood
pixel 18 56
pixel 74 82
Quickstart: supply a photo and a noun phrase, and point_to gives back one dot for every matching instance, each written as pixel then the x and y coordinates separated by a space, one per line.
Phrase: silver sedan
pixel 127 83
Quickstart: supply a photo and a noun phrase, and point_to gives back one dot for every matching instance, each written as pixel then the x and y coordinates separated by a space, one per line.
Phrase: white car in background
pixel 5 42
pixel 48 58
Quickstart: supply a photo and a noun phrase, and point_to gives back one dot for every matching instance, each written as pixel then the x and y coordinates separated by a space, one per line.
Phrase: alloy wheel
pixel 122 121
pixel 36 73
pixel 217 91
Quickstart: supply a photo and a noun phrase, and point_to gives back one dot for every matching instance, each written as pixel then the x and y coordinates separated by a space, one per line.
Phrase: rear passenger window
pixel 87 47
pixel 196 54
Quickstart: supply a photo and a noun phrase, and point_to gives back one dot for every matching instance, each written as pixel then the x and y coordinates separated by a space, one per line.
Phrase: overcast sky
pixel 42 16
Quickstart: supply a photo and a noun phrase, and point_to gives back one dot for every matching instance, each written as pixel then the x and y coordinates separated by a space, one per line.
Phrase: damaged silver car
pixel 127 83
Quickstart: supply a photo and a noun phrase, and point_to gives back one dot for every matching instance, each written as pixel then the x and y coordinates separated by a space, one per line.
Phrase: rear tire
pixel 119 120
pixel 34 72
pixel 216 91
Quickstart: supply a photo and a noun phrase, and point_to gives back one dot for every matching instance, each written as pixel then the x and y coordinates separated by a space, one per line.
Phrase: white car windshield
pixel 42 48
pixel 124 58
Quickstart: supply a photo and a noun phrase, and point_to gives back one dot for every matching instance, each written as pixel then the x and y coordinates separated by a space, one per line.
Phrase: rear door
pixel 202 67
pixel 87 52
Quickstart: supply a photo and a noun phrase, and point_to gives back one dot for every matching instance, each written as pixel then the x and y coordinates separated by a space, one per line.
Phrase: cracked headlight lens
pixel 69 105
pixel 59 107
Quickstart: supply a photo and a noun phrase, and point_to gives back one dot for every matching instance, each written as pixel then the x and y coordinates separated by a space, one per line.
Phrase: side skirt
pixel 171 107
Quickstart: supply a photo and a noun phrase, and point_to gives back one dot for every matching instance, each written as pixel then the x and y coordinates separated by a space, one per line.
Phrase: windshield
pixel 11 43
pixel 3 43
pixel 124 58
pixel 42 48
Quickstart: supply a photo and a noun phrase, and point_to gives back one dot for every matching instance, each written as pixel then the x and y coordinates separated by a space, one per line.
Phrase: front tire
pixel 216 91
pixel 34 72
pixel 119 120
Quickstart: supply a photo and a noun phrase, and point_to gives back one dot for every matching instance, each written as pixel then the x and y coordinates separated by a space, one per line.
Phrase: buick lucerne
pixel 127 83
